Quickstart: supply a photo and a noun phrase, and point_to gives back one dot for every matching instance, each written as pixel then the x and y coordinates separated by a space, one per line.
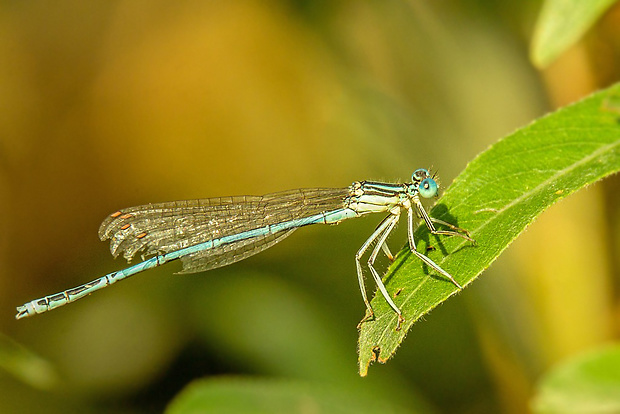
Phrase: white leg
pixel 387 251
pixel 371 261
pixel 430 220
pixel 425 259
pixel 360 276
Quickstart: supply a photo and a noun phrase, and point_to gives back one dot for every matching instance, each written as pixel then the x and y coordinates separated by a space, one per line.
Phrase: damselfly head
pixel 428 188
pixel 419 175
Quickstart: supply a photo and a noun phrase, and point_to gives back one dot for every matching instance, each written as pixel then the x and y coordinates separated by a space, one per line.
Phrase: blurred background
pixel 109 104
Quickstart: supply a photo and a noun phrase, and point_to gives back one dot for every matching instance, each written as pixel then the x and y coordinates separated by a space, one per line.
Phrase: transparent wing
pixel 230 253
pixel 166 227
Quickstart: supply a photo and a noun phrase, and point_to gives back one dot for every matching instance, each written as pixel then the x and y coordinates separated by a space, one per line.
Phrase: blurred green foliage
pixel 112 104
pixel 586 383
pixel 561 24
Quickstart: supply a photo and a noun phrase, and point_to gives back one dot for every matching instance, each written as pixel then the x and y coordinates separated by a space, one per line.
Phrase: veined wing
pixel 165 227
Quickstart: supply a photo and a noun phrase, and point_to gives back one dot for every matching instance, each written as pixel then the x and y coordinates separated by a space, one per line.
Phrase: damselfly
pixel 214 232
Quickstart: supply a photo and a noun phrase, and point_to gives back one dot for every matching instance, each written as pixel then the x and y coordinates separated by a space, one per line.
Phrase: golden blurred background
pixel 109 104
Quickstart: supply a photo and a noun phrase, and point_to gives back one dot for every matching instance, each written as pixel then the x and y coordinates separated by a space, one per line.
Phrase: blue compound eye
pixel 428 188
pixel 419 174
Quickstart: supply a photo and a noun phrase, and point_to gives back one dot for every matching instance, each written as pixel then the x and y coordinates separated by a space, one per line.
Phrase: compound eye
pixel 419 174
pixel 428 188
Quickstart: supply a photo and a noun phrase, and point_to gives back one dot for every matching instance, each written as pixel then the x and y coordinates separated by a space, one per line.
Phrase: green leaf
pixel 587 384
pixel 496 197
pixel 243 395
pixel 560 24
